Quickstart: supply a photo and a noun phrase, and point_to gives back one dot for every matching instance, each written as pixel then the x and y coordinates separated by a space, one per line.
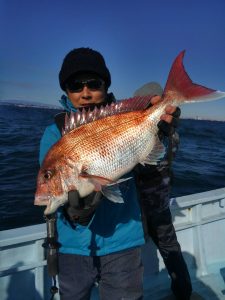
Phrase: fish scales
pixel 110 147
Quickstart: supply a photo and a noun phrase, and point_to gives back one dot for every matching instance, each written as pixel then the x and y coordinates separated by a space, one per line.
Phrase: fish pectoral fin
pixel 97 181
pixel 157 153
pixel 119 181
pixel 113 193
pixel 109 188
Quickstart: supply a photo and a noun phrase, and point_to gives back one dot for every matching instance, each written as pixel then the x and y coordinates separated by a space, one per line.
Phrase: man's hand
pixel 169 120
pixel 81 210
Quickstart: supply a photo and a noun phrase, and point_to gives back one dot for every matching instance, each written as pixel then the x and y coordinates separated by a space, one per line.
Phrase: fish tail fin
pixel 181 88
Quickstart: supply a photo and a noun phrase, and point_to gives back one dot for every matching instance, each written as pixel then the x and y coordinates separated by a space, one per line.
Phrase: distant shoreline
pixel 201 119
pixel 20 103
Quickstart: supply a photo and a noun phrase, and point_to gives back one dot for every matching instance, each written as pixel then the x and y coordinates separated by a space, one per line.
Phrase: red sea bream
pixel 109 142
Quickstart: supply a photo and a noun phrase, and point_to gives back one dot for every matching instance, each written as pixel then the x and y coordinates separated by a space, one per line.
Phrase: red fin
pixel 180 87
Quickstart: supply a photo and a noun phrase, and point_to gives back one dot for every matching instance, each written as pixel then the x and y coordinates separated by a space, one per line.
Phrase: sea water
pixel 199 164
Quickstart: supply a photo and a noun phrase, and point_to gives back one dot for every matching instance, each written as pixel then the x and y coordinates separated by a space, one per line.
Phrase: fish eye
pixel 48 174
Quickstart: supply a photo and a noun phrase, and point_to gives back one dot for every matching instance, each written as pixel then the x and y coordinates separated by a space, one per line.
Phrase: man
pixel 100 240
pixel 153 182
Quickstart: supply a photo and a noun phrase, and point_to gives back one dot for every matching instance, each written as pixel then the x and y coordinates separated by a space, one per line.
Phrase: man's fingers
pixel 166 118
pixel 172 114
pixel 173 110
pixel 155 99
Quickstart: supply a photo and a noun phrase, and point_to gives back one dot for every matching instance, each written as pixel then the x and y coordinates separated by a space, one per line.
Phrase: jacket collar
pixel 67 104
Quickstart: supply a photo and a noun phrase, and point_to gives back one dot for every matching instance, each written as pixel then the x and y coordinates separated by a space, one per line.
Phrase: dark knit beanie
pixel 83 60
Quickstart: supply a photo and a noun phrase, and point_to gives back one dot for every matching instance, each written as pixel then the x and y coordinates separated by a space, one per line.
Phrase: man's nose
pixel 86 92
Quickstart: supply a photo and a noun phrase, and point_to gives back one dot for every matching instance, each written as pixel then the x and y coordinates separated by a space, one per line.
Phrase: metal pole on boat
pixel 51 245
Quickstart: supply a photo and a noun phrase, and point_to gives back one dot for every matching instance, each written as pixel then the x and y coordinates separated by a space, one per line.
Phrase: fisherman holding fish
pixel 100 192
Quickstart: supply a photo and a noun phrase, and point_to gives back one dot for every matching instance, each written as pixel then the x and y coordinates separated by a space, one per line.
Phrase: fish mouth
pixel 51 203
pixel 41 201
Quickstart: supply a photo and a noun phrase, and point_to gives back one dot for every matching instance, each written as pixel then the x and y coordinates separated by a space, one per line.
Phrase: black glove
pixel 166 129
pixel 80 210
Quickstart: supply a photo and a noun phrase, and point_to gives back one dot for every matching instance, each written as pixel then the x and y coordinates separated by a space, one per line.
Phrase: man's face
pixel 85 89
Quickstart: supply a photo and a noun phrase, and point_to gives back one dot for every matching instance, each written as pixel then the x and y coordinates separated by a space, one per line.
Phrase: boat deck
pixel 207 287
pixel 199 220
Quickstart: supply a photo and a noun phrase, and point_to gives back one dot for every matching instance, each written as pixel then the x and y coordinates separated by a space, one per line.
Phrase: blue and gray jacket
pixel 114 226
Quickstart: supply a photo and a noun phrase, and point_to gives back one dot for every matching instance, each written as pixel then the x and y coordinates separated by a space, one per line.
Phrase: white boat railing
pixel 199 221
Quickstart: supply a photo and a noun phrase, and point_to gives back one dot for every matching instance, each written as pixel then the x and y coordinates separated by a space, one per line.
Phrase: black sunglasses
pixel 76 86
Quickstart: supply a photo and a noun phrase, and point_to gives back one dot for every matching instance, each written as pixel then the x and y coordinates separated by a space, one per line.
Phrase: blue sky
pixel 139 40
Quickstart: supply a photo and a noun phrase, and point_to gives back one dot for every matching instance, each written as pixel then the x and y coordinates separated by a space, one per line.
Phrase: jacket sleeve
pixel 153 184
pixel 49 138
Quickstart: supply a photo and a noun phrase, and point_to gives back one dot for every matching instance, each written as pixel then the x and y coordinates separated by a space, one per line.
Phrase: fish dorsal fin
pixel 84 116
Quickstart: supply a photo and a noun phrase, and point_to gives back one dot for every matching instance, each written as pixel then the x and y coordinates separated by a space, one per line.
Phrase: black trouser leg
pixel 161 230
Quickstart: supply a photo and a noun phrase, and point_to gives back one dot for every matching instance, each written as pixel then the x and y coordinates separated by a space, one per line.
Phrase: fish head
pixel 53 184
